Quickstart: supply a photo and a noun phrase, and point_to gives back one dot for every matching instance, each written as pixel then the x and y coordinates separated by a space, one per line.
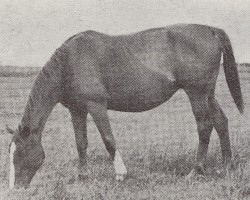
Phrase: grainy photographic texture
pixel 124 99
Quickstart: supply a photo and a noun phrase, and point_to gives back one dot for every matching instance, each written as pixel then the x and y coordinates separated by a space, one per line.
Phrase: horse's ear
pixel 9 130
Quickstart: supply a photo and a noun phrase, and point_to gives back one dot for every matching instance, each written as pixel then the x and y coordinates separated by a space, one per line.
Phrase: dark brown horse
pixel 93 72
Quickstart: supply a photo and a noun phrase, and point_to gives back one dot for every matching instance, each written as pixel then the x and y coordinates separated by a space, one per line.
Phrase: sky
pixel 31 30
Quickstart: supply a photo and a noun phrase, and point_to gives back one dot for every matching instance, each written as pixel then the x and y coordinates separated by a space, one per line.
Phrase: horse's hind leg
pixel 80 128
pixel 220 122
pixel 200 108
pixel 100 116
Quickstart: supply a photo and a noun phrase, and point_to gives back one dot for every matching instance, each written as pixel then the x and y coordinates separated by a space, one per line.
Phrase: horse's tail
pixel 230 69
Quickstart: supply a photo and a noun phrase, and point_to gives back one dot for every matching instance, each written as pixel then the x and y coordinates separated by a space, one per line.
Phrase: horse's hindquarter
pixel 199 53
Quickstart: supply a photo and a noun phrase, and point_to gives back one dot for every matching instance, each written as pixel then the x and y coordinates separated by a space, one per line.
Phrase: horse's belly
pixel 136 104
pixel 140 101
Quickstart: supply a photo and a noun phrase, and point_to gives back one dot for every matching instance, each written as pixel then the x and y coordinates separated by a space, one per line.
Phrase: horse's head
pixel 26 156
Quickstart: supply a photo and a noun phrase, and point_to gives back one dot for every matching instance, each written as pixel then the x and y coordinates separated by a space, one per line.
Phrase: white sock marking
pixel 120 168
pixel 12 167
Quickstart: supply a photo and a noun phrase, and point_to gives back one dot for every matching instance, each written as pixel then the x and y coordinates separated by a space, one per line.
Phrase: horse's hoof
pixel 195 175
pixel 190 176
pixel 119 177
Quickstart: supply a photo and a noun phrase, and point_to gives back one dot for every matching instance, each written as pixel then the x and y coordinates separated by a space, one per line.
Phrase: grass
pixel 16 71
pixel 158 148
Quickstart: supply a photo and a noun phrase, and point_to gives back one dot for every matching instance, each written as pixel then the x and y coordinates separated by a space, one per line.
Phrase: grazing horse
pixel 92 72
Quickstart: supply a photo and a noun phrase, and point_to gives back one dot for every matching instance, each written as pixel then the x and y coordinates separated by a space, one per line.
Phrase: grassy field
pixel 158 148
pixel 16 71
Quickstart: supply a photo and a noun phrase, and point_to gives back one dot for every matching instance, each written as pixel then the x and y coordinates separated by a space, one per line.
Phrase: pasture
pixel 158 148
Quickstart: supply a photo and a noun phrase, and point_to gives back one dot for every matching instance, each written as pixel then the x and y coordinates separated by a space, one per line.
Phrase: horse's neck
pixel 44 95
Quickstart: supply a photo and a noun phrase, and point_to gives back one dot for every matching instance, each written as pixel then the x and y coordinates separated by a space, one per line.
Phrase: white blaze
pixel 12 167
pixel 120 168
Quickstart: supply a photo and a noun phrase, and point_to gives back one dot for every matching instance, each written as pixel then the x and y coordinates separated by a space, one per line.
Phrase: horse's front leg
pixel 80 128
pixel 100 116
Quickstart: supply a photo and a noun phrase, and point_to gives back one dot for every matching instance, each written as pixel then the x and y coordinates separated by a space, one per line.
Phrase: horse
pixel 93 72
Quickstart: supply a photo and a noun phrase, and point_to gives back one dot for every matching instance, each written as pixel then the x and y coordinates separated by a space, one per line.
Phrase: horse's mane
pixel 46 85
